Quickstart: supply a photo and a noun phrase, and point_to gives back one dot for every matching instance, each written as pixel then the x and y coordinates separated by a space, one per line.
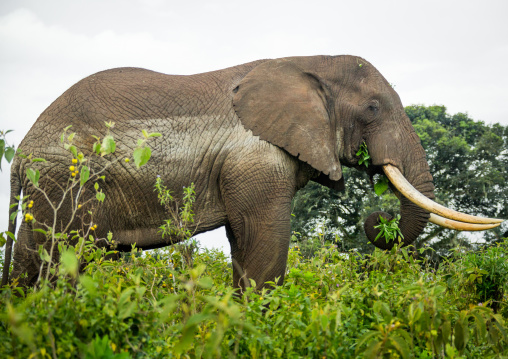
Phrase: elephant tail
pixel 13 208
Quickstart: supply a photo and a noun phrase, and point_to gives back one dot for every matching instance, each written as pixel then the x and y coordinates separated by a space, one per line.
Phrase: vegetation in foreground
pixel 179 303
pixel 332 305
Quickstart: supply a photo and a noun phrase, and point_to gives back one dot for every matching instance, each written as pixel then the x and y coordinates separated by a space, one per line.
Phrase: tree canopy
pixel 468 160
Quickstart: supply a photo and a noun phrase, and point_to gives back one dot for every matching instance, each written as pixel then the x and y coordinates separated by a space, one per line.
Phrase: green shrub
pixel 332 305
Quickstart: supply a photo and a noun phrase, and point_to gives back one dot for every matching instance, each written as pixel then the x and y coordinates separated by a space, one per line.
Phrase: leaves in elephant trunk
pixel 389 229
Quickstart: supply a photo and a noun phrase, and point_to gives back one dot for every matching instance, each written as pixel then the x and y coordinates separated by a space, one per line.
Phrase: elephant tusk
pixel 459 226
pixel 420 200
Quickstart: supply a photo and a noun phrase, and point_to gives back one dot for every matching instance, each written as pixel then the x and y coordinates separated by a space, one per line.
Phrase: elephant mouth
pixel 439 214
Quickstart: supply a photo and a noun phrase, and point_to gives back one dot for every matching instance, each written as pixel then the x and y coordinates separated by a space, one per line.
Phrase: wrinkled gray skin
pixel 248 137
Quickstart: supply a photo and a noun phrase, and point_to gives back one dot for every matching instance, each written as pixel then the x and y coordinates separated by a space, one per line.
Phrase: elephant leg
pixel 26 259
pixel 259 232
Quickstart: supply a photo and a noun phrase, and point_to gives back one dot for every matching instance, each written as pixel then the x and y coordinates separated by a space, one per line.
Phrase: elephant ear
pixel 287 107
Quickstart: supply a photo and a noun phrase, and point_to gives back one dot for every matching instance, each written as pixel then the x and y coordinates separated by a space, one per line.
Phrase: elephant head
pixel 320 109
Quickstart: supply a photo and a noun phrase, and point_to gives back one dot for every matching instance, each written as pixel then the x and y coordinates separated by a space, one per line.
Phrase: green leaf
pixel 39 160
pixel 89 284
pixel 155 134
pixel 85 174
pixel 44 254
pixel 381 185
pixel 383 309
pixel 461 335
pixel 9 153
pixel 69 262
pixel 481 326
pixel 401 345
pixel 145 134
pixel 10 234
pixel 97 148
pixel 365 338
pixel 126 310
pixel 125 306
pixel 141 156
pixel 71 137
pixel 100 196
pixel 33 176
pixel 108 145
pixel 73 150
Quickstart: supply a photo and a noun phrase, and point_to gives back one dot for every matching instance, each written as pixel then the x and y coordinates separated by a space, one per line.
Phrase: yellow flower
pixel 72 168
pixel 79 206
pixel 73 174
pixel 74 161
pixel 127 160
pixel 30 205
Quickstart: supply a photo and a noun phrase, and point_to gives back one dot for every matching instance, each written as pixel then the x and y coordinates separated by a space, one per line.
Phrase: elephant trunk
pixel 415 190
pixel 413 218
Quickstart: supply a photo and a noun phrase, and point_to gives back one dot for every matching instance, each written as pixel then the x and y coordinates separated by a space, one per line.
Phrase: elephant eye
pixel 374 107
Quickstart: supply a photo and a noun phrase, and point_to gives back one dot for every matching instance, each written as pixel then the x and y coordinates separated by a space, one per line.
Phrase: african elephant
pixel 248 137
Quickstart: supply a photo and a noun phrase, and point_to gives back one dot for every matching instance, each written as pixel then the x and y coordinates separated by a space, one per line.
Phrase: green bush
pixel 333 305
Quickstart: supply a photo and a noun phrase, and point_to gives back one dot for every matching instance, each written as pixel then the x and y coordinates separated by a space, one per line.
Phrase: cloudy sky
pixel 453 53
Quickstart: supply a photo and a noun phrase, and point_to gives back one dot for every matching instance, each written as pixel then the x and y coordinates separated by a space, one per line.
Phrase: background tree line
pixel 469 162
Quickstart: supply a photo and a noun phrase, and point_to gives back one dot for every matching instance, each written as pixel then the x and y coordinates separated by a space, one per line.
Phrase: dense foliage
pixel 468 160
pixel 336 302
pixel 331 305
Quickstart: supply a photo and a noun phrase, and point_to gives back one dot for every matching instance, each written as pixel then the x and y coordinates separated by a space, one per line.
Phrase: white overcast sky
pixel 452 53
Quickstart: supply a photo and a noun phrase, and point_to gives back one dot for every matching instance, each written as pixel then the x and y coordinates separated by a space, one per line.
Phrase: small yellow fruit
pixel 74 161
pixel 72 168
pixel 79 206
pixel 30 205
pixel 127 160
pixel 73 174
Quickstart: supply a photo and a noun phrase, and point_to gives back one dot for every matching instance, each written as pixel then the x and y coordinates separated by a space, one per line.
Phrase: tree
pixel 469 162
